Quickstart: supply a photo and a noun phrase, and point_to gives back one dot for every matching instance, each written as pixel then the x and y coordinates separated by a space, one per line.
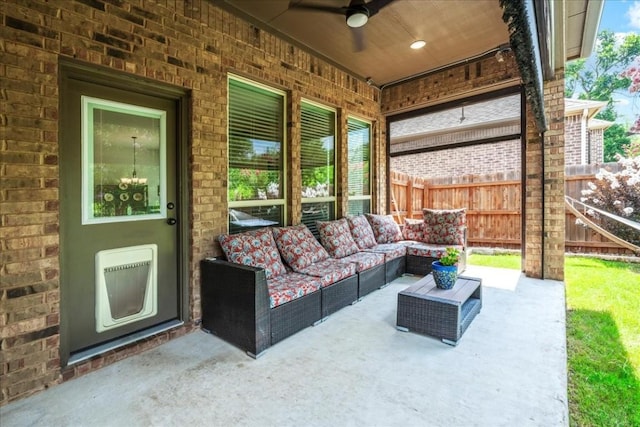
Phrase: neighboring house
pixel 479 139
pixel 583 134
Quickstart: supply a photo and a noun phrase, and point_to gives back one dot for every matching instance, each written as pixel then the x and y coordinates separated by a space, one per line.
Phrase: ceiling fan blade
pixel 318 7
pixel 357 34
pixel 374 6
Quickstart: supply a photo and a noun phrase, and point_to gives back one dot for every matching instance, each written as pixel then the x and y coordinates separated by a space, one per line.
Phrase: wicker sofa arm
pixel 235 304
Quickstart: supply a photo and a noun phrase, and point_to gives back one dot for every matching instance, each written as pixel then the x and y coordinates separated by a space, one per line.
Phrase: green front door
pixel 119 233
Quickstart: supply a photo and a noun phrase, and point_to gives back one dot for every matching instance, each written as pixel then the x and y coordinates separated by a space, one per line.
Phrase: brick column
pixel 545 211
pixel 554 209
pixel 533 200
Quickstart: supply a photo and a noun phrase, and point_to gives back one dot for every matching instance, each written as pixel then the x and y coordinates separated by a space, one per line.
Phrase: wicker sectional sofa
pixel 276 281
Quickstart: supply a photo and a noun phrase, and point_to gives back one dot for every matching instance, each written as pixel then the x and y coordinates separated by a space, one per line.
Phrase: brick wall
pixel 554 164
pixel 187 44
pixel 573 137
pixel 480 159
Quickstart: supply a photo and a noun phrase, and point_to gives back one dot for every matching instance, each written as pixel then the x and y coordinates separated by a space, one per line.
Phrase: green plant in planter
pixel 450 257
pixel 445 270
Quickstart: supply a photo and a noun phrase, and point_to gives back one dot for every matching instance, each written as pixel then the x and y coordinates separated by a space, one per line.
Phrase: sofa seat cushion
pixel 253 248
pixel 287 287
pixel 361 232
pixel 364 260
pixel 330 271
pixel 429 251
pixel 298 247
pixel 336 238
pixel 389 250
pixel 445 226
pixel 384 228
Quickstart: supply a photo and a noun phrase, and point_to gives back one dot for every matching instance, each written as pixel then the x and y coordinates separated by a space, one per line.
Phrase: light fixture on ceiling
pixel 418 44
pixel 357 18
pixel 502 49
pixel 134 174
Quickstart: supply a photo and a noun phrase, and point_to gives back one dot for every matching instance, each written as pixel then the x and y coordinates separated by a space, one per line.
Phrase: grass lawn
pixel 603 338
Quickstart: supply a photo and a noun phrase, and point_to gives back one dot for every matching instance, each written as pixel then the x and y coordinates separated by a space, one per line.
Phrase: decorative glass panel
pixel 123 162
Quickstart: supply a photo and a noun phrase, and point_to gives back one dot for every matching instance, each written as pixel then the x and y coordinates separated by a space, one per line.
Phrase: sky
pixel 623 17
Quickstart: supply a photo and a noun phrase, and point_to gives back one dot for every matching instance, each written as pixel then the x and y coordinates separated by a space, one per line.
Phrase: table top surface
pixel 426 288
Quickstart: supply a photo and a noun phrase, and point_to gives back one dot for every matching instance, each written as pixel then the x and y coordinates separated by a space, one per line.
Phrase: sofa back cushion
pixel 445 226
pixel 414 229
pixel 298 247
pixel 336 238
pixel 361 232
pixel 384 228
pixel 253 248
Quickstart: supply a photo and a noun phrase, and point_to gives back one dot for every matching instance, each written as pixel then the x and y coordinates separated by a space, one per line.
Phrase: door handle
pixel 171 221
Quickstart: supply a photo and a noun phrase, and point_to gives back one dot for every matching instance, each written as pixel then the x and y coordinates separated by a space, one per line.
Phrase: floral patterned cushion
pixel 445 227
pixel 413 230
pixel 361 231
pixel 426 250
pixel 336 238
pixel 364 260
pixel 254 248
pixel 330 271
pixel 298 247
pixel 384 228
pixel 389 250
pixel 287 287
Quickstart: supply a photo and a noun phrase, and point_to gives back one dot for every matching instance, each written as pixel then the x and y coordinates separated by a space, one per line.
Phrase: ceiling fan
pixel 357 14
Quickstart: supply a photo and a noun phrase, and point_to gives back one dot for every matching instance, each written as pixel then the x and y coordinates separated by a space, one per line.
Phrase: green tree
pixel 600 77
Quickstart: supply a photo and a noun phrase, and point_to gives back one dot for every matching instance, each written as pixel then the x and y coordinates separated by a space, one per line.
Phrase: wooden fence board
pixel 493 203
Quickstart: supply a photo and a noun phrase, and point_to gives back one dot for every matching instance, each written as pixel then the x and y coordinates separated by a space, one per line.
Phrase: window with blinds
pixel 256 156
pixel 317 160
pixel 359 158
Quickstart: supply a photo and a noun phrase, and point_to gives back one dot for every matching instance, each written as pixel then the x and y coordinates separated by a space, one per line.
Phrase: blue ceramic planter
pixel 445 276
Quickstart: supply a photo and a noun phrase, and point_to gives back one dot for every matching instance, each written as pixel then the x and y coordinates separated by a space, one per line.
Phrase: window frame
pixel 360 197
pixel 282 201
pixel 323 199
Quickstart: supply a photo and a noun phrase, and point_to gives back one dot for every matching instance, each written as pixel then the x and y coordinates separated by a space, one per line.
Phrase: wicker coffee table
pixel 444 314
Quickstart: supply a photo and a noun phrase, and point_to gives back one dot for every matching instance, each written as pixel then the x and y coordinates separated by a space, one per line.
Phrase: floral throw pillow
pixel 298 247
pixel 361 232
pixel 336 238
pixel 253 248
pixel 445 226
pixel 384 228
pixel 413 230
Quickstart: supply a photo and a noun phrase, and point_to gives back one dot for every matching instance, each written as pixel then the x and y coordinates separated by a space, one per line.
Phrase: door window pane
pixel 123 162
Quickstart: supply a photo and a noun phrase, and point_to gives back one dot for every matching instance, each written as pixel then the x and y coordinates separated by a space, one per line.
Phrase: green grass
pixel 603 338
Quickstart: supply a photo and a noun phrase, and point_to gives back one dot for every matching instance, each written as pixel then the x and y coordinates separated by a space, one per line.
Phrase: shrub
pixel 617 193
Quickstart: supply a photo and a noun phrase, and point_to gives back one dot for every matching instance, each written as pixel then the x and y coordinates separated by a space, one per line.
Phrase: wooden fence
pixel 493 205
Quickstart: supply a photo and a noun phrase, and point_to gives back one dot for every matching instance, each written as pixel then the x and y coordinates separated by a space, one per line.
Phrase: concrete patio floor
pixel 355 369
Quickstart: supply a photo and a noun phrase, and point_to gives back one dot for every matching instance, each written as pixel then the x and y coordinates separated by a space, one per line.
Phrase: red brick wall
pixel 188 44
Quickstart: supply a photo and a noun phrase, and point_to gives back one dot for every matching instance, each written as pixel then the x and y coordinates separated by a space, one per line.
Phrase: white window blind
pixel 359 158
pixel 256 156
pixel 317 158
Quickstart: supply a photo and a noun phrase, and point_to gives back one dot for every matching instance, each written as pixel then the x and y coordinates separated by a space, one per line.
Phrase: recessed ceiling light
pixel 418 44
